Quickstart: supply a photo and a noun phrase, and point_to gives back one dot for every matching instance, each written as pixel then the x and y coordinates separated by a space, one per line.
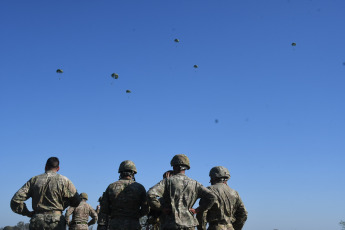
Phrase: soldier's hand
pixel 194 211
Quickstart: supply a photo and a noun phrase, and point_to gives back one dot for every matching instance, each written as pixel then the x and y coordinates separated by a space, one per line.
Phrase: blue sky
pixel 280 108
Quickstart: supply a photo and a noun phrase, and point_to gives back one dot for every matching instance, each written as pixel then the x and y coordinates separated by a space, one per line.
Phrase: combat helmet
pixel 83 195
pixel 180 159
pixel 219 172
pixel 127 166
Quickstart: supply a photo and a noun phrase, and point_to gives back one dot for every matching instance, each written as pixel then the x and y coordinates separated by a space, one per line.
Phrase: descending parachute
pixel 115 75
pixel 176 40
pixel 293 44
pixel 128 91
pixel 59 71
pixel 196 66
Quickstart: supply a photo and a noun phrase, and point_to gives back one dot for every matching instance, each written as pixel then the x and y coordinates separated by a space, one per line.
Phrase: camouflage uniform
pixel 228 213
pixel 179 193
pixel 102 221
pixel 125 202
pixel 51 193
pixel 81 216
pixel 154 217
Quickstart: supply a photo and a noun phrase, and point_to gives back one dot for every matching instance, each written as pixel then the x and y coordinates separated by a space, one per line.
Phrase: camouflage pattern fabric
pixel 179 194
pixel 49 192
pixel 220 227
pixel 102 227
pixel 102 221
pixel 227 213
pixel 80 216
pixel 47 221
pixel 125 202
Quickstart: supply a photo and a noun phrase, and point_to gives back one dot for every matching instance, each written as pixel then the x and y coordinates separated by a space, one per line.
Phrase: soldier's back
pixel 126 197
pixel 126 202
pixel 180 194
pixel 228 211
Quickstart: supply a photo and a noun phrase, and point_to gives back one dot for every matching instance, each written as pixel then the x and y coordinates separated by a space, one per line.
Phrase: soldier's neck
pixel 183 172
pixel 126 178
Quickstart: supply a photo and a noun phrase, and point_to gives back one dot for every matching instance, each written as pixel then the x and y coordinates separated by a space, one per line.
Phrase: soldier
pixel 102 218
pixel 179 193
pixel 51 193
pixel 81 215
pixel 154 217
pixel 228 213
pixel 125 200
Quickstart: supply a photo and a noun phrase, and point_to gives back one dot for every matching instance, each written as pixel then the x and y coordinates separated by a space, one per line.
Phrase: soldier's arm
pixel 240 214
pixel 71 195
pixel 201 217
pixel 105 203
pixel 68 213
pixel 207 198
pixel 93 215
pixel 144 206
pixel 17 202
pixel 154 193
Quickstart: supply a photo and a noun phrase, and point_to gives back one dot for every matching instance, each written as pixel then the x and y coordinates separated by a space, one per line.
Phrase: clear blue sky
pixel 281 109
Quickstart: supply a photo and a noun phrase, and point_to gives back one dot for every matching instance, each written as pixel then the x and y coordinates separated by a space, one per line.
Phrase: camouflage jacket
pixel 179 194
pixel 49 192
pixel 125 198
pixel 81 213
pixel 228 209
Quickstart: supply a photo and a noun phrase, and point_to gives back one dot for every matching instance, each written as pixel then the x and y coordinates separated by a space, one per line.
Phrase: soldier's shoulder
pixel 138 185
pixel 38 177
pixel 116 183
pixel 62 177
pixel 88 205
pixel 232 191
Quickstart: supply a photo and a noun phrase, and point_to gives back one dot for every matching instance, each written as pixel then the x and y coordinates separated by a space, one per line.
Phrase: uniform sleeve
pixel 71 195
pixel 154 193
pixel 144 206
pixel 17 201
pixel 207 198
pixel 201 217
pixel 105 203
pixel 93 215
pixel 68 213
pixel 240 214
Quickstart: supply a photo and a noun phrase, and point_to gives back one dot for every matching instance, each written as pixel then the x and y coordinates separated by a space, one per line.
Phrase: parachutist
pixel 115 75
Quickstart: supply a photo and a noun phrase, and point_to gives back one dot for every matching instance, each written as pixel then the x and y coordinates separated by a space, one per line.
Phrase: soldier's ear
pixel 58 168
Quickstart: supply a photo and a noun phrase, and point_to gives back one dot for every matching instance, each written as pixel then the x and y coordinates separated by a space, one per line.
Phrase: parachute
pixel 59 71
pixel 293 44
pixel 176 40
pixel 196 66
pixel 128 91
pixel 115 75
